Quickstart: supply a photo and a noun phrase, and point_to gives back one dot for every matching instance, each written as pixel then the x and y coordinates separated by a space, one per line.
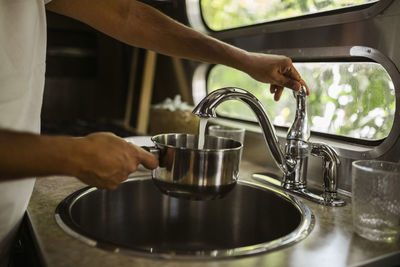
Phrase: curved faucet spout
pixel 206 109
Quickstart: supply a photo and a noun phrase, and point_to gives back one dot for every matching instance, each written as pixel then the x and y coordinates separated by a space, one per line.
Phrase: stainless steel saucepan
pixel 187 171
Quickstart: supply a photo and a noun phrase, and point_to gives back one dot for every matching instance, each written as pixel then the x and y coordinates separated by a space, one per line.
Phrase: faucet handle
pixel 330 166
pixel 302 92
pixel 300 129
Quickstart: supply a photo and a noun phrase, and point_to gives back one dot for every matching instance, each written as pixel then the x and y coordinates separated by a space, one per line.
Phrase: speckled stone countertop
pixel 330 243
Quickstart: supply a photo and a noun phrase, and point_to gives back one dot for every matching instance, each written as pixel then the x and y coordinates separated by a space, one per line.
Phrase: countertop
pixel 330 243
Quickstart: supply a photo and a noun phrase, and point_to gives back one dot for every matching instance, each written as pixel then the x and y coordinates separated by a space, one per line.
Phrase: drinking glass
pixel 376 200
pixel 236 134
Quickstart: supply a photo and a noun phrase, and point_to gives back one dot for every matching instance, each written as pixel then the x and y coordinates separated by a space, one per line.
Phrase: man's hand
pixel 105 160
pixel 100 159
pixel 276 70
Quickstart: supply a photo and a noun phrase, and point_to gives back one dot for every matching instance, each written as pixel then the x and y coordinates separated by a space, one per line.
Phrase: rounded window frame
pixel 325 18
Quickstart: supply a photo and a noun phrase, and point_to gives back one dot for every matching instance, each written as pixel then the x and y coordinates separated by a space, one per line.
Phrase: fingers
pixel 292 73
pixel 287 76
pixel 277 91
pixel 146 158
pixel 306 86
pixel 285 81
pixel 278 94
pixel 288 82
pixel 273 88
pixel 105 160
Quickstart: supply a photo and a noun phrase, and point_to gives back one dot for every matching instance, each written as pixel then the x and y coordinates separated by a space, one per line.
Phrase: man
pixel 100 159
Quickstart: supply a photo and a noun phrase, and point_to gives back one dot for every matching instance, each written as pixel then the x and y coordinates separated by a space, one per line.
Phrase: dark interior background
pixel 87 77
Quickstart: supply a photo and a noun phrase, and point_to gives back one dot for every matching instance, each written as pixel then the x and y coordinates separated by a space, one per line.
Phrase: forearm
pixel 140 25
pixel 99 159
pixel 25 154
pixel 166 36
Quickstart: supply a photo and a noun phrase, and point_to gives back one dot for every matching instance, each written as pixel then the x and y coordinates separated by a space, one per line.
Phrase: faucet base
pixel 327 199
pixel 292 186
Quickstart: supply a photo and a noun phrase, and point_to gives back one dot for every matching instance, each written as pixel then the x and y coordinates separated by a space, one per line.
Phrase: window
pixel 353 99
pixel 228 14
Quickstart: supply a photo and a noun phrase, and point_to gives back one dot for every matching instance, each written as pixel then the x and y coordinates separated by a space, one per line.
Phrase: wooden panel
pixel 183 84
pixel 146 91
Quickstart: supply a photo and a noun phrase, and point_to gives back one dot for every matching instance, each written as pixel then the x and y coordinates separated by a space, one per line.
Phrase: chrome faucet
pixel 293 161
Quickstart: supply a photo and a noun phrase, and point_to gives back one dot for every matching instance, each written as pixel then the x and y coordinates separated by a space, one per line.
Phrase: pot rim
pixel 239 147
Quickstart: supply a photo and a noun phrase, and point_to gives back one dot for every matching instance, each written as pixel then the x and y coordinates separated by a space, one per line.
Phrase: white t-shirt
pixel 22 69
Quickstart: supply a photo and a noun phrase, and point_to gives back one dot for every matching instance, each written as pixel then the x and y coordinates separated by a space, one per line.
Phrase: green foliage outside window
pixel 350 99
pixel 228 14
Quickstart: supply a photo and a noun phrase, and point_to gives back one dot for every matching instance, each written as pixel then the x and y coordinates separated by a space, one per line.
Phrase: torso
pixel 22 69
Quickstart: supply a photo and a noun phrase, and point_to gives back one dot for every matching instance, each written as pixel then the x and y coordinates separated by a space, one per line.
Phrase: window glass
pixel 228 14
pixel 350 99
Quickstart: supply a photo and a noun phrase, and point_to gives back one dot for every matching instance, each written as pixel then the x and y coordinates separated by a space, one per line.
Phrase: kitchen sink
pixel 136 218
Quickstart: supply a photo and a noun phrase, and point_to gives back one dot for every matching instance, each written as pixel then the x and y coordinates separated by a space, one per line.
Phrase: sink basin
pixel 137 219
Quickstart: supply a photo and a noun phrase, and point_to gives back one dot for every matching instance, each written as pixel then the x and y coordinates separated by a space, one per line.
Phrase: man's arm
pixel 140 25
pixel 102 159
